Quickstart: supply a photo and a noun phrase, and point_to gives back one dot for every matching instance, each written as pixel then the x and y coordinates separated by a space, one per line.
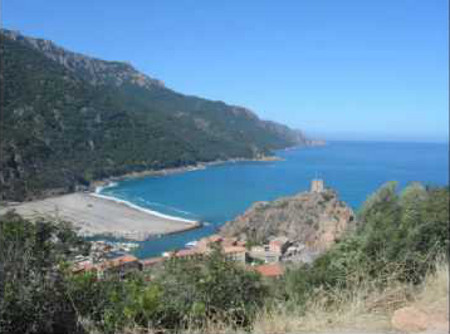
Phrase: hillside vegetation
pixel 388 261
pixel 68 119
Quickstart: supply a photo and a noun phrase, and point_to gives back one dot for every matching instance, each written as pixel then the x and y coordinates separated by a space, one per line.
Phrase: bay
pixel 221 192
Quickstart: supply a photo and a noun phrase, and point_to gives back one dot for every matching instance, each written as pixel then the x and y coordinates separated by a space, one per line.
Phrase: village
pixel 269 259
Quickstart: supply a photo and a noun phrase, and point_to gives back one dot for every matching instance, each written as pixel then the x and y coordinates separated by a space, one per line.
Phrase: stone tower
pixel 317 186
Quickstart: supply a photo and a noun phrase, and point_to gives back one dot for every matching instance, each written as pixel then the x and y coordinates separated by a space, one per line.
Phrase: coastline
pixel 98 216
pixel 176 170
pixel 140 208
pixel 94 214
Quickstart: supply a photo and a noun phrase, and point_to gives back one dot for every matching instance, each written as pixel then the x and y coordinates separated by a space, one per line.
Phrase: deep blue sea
pixel 221 192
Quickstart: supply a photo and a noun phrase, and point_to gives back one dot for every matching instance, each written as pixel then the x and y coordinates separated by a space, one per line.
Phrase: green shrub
pixel 33 296
pixel 197 291
pixel 398 237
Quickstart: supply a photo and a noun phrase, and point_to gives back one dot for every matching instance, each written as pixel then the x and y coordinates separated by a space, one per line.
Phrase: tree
pixel 33 296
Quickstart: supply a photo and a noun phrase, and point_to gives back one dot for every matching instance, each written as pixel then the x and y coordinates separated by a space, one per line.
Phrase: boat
pixel 191 244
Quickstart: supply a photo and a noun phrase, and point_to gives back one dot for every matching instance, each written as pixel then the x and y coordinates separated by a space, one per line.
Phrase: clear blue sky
pixel 348 69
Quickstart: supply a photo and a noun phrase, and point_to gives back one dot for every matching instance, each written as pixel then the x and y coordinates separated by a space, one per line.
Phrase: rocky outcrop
pixel 315 219
pixel 95 71
pixel 414 319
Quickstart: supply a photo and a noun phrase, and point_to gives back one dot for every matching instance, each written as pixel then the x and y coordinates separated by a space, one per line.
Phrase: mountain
pixel 68 119
pixel 314 219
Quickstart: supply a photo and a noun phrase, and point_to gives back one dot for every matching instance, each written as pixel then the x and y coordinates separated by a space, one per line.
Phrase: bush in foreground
pixel 184 294
pixel 377 267
pixel 39 293
pixel 33 295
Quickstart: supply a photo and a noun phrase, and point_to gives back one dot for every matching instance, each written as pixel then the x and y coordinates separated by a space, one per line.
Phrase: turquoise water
pixel 219 193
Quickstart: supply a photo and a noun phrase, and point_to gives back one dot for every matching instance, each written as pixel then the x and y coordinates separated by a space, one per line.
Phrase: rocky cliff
pixel 315 219
pixel 95 71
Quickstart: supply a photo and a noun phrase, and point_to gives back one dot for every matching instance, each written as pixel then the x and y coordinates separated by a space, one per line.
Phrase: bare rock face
pixel 410 319
pixel 315 219
pixel 96 71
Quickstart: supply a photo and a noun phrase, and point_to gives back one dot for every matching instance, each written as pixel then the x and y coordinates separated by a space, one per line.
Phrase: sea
pixel 219 193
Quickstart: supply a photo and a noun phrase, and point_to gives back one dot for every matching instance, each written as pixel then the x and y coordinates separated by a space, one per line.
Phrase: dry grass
pixel 433 298
pixel 349 312
pixel 364 308
pixel 434 293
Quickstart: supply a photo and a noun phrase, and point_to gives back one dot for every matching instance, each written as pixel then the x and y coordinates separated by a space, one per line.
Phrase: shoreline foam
pixel 112 182
pixel 142 209
pixel 98 215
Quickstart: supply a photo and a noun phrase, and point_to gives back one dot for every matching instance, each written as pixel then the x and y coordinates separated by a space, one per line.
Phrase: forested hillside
pixel 69 119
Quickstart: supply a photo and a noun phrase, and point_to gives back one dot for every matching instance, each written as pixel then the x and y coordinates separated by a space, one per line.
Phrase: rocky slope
pixel 315 219
pixel 95 71
pixel 68 119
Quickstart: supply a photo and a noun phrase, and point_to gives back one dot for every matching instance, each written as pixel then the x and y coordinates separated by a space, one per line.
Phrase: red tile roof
pixel 215 238
pixel 152 261
pixel 276 243
pixel 279 241
pixel 187 252
pixel 270 270
pixel 117 261
pixel 83 266
pixel 234 249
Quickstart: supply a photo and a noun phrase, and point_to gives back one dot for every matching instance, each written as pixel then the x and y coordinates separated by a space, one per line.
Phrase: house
pixel 229 242
pixel 235 253
pixel 258 249
pixel 215 238
pixel 279 245
pixel 151 262
pixel 273 270
pixel 204 243
pixel 83 267
pixel 188 253
pixel 266 256
pixel 121 265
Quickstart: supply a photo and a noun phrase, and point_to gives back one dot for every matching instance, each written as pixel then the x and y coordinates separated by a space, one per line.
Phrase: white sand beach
pixel 93 215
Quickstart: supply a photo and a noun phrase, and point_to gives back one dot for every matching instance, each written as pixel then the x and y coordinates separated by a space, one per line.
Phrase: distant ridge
pixel 93 70
pixel 70 119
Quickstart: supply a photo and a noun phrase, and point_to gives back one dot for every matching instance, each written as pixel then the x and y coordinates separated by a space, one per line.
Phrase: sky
pixel 349 69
